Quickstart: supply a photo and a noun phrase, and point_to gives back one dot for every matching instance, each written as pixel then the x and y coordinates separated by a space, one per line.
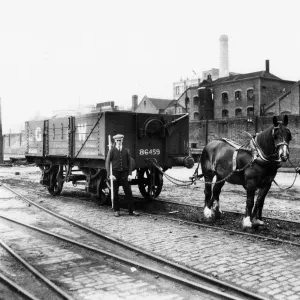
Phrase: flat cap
pixel 118 137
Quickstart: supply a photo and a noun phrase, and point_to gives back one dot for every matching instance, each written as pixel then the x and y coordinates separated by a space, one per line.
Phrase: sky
pixel 61 54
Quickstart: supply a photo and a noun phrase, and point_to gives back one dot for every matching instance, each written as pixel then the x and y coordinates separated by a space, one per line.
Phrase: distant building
pixel 181 86
pixel 214 74
pixel 159 106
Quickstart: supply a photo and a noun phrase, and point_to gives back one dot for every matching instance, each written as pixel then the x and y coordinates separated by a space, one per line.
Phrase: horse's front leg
pixel 259 204
pixel 250 187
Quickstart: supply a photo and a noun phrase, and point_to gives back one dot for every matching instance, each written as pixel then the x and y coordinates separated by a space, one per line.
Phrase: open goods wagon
pixel 74 148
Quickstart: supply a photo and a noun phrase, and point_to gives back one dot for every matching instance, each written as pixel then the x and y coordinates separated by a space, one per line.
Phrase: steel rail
pixel 36 272
pixel 265 218
pixel 17 288
pixel 168 276
pixel 157 258
pixel 215 227
pixel 229 230
pixel 139 198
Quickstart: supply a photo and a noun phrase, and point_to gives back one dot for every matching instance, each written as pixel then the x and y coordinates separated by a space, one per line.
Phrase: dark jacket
pixel 121 160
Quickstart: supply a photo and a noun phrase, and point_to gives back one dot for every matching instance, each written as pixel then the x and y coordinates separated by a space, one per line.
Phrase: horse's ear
pixel 275 122
pixel 285 120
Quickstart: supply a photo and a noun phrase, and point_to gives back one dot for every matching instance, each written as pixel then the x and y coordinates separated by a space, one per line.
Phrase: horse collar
pixel 260 153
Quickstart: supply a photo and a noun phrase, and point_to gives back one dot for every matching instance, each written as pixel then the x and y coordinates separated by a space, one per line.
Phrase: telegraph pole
pixel 1 137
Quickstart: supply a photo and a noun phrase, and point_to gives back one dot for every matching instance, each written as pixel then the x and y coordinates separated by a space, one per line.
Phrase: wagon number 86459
pixel 149 151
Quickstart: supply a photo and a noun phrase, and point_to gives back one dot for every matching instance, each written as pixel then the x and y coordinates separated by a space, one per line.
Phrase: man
pixel 121 173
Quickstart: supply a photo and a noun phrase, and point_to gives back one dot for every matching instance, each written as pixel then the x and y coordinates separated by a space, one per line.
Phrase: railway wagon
pixel 74 148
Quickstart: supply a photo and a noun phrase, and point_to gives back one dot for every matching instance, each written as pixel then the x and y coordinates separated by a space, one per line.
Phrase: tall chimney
pixel 267 66
pixel 134 102
pixel 224 71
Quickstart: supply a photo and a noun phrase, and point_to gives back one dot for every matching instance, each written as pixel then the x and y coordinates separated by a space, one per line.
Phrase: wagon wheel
pixel 55 189
pixel 56 182
pixel 149 191
pixel 103 191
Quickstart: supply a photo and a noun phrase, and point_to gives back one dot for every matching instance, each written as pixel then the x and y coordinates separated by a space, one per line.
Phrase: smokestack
pixel 224 71
pixel 267 66
pixel 134 102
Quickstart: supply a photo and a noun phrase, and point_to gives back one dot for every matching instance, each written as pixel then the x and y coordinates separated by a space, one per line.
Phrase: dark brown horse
pixel 253 167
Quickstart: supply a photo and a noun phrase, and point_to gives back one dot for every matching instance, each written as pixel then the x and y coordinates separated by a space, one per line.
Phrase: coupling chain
pixel 173 179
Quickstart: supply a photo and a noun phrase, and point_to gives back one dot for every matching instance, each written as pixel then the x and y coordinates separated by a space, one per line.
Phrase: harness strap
pixel 260 153
pixel 234 158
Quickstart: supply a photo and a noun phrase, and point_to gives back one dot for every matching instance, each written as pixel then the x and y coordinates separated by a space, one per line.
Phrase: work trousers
pixel 122 180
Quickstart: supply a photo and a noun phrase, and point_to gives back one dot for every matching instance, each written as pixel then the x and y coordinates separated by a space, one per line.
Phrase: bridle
pixel 283 143
pixel 265 157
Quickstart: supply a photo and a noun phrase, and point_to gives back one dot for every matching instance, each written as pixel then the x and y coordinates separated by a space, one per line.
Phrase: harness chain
pixel 198 177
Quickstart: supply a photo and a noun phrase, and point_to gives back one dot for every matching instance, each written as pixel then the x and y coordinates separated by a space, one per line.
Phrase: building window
pixel 196 100
pixel 238 95
pixel 224 113
pixel 179 110
pixel 224 97
pixel 250 111
pixel 177 90
pixel 238 112
pixel 250 94
pixel 145 103
pixel 196 116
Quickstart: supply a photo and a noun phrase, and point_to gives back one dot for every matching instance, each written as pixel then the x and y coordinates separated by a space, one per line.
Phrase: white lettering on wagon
pixel 38 134
pixel 81 131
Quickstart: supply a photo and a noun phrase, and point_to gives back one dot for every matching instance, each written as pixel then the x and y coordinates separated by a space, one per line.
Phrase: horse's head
pixel 282 137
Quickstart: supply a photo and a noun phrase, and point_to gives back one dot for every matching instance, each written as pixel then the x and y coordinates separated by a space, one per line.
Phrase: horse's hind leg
pixel 215 198
pixel 208 213
pixel 250 187
pixel 259 204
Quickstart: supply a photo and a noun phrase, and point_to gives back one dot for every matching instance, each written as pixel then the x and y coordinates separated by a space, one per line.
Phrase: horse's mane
pixel 266 142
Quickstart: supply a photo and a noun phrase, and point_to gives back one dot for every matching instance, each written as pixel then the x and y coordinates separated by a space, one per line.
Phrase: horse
pixel 254 167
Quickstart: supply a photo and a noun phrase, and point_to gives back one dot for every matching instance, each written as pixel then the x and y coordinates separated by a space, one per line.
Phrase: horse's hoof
pixel 257 222
pixel 247 223
pixel 208 213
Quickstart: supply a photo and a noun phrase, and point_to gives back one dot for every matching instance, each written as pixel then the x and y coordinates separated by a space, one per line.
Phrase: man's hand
pixel 129 177
pixel 112 177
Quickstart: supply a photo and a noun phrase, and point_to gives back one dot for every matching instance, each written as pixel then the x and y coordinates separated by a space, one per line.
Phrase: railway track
pixel 149 262
pixel 17 279
pixel 277 230
pixel 10 290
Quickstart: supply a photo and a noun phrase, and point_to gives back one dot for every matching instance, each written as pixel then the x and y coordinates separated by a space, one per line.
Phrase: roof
pixel 160 103
pixel 232 78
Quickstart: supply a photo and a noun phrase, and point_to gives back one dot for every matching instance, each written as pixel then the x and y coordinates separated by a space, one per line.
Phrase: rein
pixel 296 173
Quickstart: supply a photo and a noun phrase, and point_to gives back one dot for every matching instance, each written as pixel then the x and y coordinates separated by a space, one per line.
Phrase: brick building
pixel 159 106
pixel 246 94
pixel 243 95
pixel 285 104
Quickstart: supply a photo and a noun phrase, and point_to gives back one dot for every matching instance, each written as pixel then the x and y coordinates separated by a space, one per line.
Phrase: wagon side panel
pixel 89 140
pixel 58 137
pixel 34 138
